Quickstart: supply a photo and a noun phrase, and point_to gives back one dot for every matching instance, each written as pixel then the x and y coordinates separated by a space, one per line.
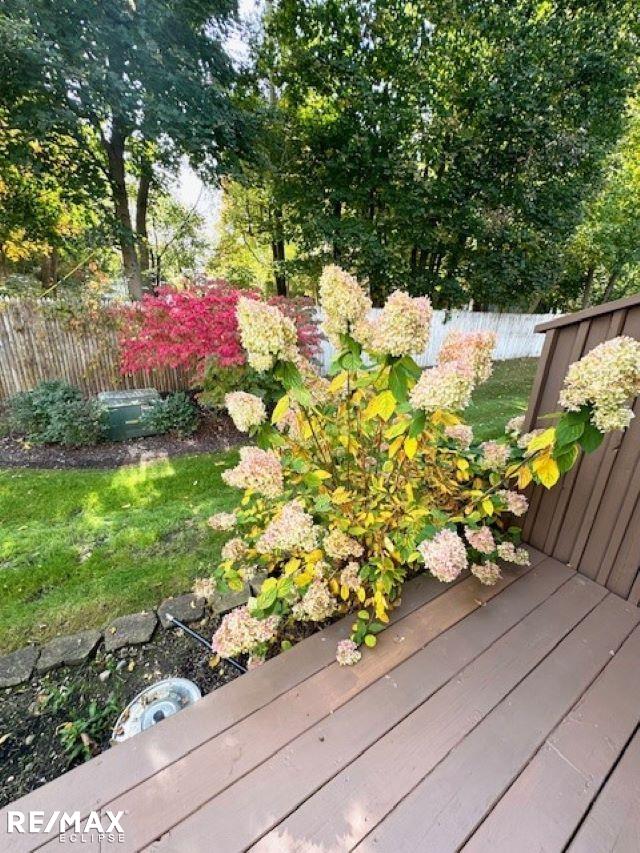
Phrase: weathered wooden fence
pixel 515 333
pixel 39 341
pixel 591 521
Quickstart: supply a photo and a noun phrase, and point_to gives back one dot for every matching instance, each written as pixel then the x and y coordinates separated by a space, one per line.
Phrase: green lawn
pixel 504 395
pixel 80 547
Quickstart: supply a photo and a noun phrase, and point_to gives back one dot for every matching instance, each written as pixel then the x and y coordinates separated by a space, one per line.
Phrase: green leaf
pixel 591 438
pixel 417 424
pixel 398 383
pixel 568 430
pixel 370 640
pixel 566 459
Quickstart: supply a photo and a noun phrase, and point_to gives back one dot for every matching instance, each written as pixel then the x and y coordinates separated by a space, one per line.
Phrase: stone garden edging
pixel 133 629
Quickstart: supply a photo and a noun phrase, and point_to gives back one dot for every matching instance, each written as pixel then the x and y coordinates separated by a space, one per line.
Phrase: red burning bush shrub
pixel 187 328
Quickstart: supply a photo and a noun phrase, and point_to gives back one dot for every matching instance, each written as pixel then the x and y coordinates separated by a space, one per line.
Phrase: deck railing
pixel 591 521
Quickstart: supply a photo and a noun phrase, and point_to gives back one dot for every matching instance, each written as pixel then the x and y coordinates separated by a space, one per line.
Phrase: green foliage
pixel 442 148
pixel 173 414
pixel 218 381
pixel 80 736
pixel 55 412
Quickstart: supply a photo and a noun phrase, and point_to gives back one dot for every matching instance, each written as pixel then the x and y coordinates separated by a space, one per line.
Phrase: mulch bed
pixel 216 433
pixel 31 752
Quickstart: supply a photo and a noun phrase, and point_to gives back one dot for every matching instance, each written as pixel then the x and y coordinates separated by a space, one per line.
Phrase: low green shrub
pixel 219 381
pixel 55 412
pixel 174 414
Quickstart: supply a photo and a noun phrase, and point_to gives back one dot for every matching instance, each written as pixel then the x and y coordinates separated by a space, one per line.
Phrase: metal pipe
pixel 203 640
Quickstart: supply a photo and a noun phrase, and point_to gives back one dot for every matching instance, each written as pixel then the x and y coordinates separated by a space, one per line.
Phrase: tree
pixel 444 147
pixel 176 241
pixel 150 79
pixel 604 253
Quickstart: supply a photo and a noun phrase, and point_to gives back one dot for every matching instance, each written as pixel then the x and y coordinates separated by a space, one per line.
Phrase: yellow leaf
pixel 382 405
pixel 370 640
pixel 462 464
pixel 445 418
pixel 545 439
pixel 487 506
pixel 524 477
pixel 293 564
pixel 397 429
pixel 361 594
pixel 334 586
pixel 281 409
pixel 547 470
pixel 337 382
pixel 344 592
pixel 320 474
pixel 303 578
pixel 395 446
pixel 339 495
pixel 410 446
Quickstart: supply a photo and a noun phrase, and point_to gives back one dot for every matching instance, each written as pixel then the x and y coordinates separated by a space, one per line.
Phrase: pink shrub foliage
pixel 185 327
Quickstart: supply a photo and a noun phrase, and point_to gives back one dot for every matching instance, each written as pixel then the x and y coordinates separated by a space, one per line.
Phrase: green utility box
pixel 124 412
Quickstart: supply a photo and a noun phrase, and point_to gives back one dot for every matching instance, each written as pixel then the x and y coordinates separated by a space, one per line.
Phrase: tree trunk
pixel 142 207
pixel 337 214
pixel 588 287
pixel 277 251
pixel 606 296
pixel 115 154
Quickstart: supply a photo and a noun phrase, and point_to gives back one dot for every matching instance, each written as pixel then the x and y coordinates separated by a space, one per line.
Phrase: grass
pixel 504 395
pixel 78 548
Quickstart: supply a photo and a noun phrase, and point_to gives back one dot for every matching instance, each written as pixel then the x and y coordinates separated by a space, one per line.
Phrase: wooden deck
pixel 487 719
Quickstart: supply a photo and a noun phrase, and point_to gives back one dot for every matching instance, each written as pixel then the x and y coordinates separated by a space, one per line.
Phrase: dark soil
pixel 216 433
pixel 31 715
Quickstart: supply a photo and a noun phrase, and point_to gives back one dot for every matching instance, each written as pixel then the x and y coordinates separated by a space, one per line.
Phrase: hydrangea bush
pixel 361 480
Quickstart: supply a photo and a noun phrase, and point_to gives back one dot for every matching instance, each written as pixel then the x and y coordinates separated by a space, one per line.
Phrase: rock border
pixel 133 629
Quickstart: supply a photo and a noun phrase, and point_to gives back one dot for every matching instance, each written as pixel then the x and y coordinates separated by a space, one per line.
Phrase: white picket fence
pixel 516 338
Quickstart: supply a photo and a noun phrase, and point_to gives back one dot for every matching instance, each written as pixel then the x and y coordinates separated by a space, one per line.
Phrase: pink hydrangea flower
pixel 222 521
pixel 401 328
pixel 339 546
pixel 259 470
pixel 608 377
pixel 266 334
pixel 487 573
pixel 494 454
pixel 317 604
pixel 350 576
pixel 246 410
pixel 343 301
pixel 445 556
pixel 347 653
pixel 473 349
pixel 444 387
pixel 517 504
pixel 241 632
pixel 508 552
pixel 292 529
pixel 514 426
pixel 233 550
pixel 482 539
pixel 461 433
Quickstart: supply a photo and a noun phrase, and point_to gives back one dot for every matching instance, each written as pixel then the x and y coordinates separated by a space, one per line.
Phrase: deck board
pixel 501 718
pixel 164 799
pixel 545 805
pixel 613 824
pixel 93 785
pixel 446 807
pixel 311 760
